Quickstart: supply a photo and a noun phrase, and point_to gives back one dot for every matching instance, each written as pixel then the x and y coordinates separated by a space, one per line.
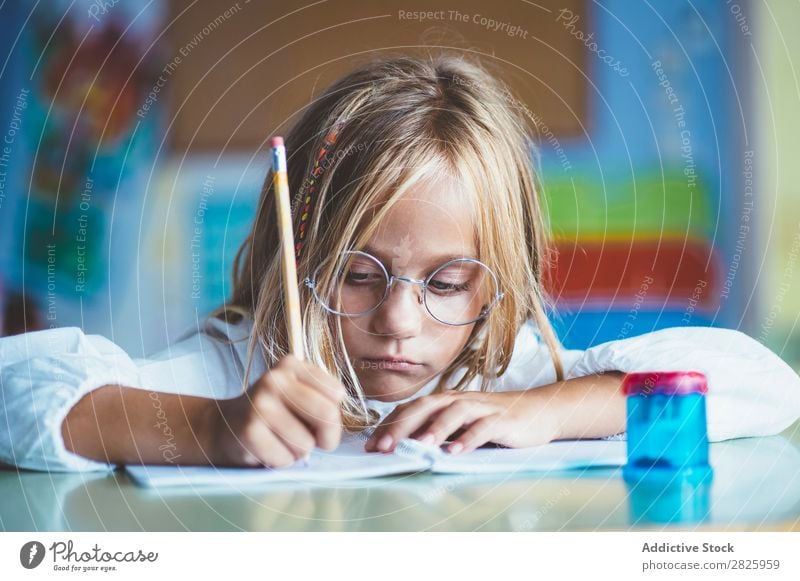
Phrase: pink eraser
pixel 276 142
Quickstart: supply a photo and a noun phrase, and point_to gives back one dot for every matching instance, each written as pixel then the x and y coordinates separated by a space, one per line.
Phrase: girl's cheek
pixel 450 343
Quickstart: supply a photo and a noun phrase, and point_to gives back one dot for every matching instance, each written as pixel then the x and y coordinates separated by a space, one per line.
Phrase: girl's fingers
pixel 262 447
pixel 479 433
pixel 403 422
pixel 450 419
pixel 294 434
pixel 293 371
pixel 320 413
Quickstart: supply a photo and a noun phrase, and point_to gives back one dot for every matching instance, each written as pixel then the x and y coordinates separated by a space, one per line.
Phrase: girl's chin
pixel 382 386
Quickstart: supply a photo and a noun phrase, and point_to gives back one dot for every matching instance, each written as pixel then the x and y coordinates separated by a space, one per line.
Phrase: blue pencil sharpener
pixel 667 472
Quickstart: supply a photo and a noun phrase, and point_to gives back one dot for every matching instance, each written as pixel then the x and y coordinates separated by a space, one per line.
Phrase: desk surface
pixel 756 485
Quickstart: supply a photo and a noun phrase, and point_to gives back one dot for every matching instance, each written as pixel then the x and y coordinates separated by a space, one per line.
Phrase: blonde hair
pixel 398 121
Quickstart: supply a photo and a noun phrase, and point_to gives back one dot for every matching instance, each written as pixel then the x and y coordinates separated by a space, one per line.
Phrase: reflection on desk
pixel 756 483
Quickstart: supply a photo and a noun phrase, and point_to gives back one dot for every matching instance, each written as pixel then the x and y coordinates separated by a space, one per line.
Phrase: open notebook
pixel 350 461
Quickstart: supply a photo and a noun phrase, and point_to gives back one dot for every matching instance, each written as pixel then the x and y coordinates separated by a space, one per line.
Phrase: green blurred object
pixel 647 207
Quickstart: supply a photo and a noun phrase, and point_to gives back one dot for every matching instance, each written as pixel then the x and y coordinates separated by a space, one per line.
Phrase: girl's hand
pixel 514 419
pixel 291 409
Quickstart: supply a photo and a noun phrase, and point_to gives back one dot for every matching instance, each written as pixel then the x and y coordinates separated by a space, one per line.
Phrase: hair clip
pixel 320 165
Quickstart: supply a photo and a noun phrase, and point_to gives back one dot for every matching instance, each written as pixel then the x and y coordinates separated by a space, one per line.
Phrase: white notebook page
pixel 350 461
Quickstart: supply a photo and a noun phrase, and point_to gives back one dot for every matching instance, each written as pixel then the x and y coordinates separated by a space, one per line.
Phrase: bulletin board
pixel 250 67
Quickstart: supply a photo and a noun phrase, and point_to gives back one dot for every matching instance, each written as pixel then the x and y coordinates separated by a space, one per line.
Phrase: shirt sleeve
pixel 751 391
pixel 207 360
pixel 42 376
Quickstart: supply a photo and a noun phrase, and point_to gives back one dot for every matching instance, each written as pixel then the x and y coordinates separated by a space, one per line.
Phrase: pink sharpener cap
pixel 276 142
pixel 665 382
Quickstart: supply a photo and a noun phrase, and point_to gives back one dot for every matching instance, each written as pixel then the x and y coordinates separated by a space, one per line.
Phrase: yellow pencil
pixel 289 268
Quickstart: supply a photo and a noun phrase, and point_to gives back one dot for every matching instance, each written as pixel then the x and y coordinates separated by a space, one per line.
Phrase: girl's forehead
pixel 432 220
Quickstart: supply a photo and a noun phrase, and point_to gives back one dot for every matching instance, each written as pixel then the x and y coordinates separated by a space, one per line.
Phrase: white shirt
pixel 752 392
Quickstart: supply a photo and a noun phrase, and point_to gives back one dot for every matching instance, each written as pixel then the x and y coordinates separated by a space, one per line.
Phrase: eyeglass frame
pixel 311 283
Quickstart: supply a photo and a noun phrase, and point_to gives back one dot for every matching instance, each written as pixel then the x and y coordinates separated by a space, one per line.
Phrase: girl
pixel 421 248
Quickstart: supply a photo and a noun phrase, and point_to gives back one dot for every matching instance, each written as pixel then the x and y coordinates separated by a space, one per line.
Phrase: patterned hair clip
pixel 323 158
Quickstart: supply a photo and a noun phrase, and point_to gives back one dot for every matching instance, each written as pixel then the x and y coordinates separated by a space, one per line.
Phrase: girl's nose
pixel 401 313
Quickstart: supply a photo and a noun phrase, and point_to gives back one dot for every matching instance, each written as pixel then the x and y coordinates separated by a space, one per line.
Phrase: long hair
pixel 399 121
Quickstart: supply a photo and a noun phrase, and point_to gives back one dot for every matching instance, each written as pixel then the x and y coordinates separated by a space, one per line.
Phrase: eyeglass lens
pixel 456 292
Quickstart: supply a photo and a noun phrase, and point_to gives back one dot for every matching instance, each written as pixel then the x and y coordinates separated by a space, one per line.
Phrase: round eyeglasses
pixel 459 292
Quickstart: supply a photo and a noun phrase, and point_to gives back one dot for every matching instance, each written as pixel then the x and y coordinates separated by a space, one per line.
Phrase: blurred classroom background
pixel 134 144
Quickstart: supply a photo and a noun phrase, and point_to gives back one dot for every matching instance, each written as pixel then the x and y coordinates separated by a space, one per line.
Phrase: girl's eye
pixel 457 278
pixel 444 287
pixel 359 276
pixel 363 277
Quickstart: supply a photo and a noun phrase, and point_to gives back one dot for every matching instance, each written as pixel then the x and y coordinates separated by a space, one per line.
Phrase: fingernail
pixel 455 448
pixel 385 443
pixel 427 439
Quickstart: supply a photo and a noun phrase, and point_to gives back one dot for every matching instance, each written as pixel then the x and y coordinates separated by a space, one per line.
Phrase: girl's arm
pixel 124 425
pixel 62 407
pixel 283 416
pixel 585 407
